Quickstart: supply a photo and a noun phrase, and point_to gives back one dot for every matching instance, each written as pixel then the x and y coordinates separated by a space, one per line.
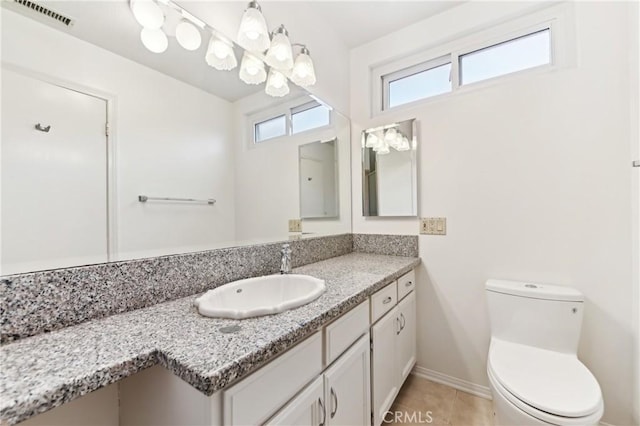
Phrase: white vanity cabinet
pixel 340 396
pixel 393 344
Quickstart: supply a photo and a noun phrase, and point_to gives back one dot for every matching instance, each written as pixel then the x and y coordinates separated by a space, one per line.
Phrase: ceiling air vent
pixel 46 12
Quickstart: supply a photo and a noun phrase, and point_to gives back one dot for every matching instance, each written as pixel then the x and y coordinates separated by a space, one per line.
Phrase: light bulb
pixel 147 13
pixel 390 135
pixel 277 85
pixel 279 54
pixel 220 54
pixel 188 35
pixel 404 144
pixel 383 149
pixel 303 73
pixel 252 69
pixel 154 40
pixel 372 141
pixel 253 34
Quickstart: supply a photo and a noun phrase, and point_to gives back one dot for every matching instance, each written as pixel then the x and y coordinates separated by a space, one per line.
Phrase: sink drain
pixel 229 329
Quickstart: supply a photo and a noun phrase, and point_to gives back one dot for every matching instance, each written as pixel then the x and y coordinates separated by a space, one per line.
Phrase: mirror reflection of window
pixel 390 170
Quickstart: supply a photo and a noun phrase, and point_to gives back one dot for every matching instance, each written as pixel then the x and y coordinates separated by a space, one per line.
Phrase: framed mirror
pixel 318 179
pixel 113 152
pixel 390 170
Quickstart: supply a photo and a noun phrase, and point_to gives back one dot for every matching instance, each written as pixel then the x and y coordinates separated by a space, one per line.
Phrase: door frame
pixel 110 135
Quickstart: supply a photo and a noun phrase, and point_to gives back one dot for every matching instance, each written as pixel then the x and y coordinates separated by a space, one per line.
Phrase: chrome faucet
pixel 285 263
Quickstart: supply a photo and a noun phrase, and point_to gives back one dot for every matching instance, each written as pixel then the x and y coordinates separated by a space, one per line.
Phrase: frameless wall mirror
pixel 389 170
pixel 318 179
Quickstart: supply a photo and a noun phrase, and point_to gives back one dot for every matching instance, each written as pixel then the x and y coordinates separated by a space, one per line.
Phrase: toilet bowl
pixel 534 373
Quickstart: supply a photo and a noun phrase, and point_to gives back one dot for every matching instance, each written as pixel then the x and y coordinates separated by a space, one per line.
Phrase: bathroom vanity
pixel 340 358
pixel 347 372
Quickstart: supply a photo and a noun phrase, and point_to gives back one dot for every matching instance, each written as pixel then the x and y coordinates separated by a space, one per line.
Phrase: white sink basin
pixel 254 297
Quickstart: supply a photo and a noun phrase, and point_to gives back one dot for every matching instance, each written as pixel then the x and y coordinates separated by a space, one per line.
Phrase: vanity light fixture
pixel 381 139
pixel 280 54
pixel 252 70
pixel 303 73
pixel 253 34
pixel 154 40
pixel 147 13
pixel 220 54
pixel 188 35
pixel 277 84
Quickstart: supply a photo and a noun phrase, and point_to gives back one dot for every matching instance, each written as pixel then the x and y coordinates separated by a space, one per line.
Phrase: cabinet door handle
pixel 334 403
pixel 399 328
pixel 408 284
pixel 403 322
pixel 387 300
pixel 323 411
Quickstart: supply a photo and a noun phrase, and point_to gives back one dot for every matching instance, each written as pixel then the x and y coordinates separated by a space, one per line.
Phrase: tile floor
pixel 447 405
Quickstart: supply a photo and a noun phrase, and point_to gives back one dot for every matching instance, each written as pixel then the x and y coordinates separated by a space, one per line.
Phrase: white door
pixel 54 183
pixel 311 188
pixel 346 387
pixel 407 337
pixel 384 365
pixel 308 408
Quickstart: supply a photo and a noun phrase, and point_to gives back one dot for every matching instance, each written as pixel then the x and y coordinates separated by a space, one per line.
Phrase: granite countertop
pixel 44 371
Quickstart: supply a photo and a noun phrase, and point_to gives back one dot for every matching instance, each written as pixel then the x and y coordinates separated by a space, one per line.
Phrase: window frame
pixel 258 122
pixel 305 107
pixel 287 109
pixel 389 78
pixel 558 18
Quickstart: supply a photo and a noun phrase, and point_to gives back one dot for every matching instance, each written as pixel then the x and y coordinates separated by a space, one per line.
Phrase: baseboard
pixel 454 382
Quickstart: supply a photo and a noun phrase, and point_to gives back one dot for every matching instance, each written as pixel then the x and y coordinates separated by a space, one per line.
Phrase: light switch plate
pixel 295 225
pixel 433 225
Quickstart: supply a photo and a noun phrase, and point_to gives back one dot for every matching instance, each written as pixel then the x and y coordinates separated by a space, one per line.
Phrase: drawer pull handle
pixel 408 284
pixel 334 399
pixel 324 412
pixel 387 300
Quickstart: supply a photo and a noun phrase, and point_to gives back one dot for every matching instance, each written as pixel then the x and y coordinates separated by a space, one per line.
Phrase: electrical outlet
pixel 295 225
pixel 433 225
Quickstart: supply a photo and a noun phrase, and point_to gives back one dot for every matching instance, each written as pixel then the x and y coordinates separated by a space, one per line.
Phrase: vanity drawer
pixel 341 333
pixel 383 300
pixel 254 399
pixel 406 284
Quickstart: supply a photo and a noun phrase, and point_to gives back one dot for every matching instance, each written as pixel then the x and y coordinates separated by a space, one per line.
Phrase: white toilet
pixel 534 372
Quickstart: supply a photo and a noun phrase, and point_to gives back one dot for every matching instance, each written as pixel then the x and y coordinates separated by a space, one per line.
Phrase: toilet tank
pixel 540 315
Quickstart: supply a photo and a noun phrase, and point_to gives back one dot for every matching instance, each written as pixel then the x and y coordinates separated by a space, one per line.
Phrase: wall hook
pixel 43 129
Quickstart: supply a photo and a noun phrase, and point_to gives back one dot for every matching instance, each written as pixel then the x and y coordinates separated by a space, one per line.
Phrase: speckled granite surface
pixel 392 245
pixel 47 370
pixel 38 302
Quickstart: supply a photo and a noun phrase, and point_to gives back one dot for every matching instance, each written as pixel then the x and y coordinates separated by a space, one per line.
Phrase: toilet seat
pixel 553 387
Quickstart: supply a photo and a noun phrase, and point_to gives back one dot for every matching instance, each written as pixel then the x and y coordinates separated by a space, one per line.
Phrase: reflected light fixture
pixel 188 35
pixel 253 34
pixel 277 85
pixel 280 55
pixel 252 69
pixel 220 54
pixel 147 13
pixel 303 73
pixel 154 39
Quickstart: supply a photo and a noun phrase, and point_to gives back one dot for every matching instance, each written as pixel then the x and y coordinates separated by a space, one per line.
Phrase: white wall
pixel 171 139
pixel 634 72
pixel 533 176
pixel 267 189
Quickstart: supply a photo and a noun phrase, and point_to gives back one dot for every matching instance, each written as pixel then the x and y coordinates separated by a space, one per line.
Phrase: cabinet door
pixel 308 408
pixel 406 346
pixel 384 371
pixel 346 387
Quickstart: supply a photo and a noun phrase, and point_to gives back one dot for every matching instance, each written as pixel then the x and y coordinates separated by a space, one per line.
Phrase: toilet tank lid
pixel 534 290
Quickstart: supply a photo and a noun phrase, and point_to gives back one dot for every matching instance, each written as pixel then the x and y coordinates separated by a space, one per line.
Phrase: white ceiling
pixel 359 22
pixel 110 25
